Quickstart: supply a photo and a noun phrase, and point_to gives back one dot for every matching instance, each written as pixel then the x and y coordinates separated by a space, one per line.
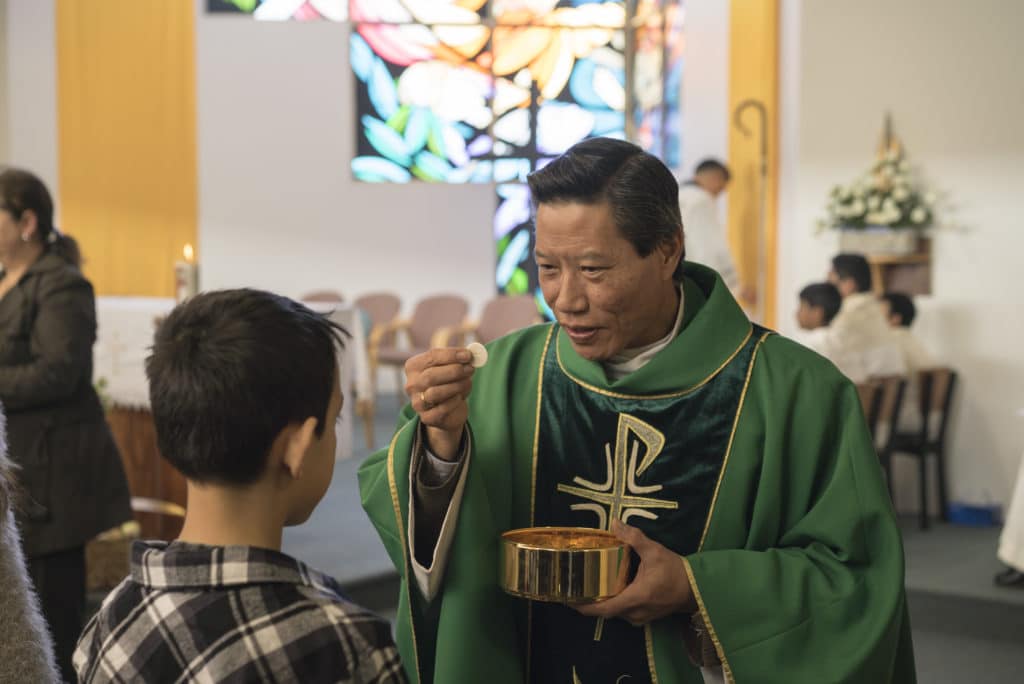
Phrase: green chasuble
pixel 740 450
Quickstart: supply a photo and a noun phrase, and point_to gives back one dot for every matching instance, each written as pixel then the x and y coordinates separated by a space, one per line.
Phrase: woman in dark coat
pixel 70 472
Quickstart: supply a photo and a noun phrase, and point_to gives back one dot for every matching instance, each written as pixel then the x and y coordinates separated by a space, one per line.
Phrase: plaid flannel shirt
pixel 197 613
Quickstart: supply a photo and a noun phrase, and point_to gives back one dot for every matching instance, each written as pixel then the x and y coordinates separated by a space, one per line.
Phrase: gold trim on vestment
pixel 726 670
pixel 668 395
pixel 536 424
pixel 393 486
pixel 732 435
pixel 649 643
pixel 533 490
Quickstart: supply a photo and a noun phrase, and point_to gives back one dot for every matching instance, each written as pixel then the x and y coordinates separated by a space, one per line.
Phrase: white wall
pixel 705 100
pixel 31 89
pixel 278 206
pixel 949 71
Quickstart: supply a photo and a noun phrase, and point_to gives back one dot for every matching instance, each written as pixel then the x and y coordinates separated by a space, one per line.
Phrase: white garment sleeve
pixel 713 675
pixel 1011 540
pixel 428 579
pixel 816 340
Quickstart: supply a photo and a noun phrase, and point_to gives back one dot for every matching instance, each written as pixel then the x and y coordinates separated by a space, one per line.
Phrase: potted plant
pixel 882 212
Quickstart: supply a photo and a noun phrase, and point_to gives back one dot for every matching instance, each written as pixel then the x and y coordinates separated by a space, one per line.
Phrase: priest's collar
pixel 713 330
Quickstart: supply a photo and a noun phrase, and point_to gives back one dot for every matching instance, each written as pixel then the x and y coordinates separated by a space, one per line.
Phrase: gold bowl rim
pixel 511 537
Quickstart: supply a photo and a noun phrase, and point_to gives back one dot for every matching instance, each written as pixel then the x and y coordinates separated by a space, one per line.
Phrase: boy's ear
pixel 297 446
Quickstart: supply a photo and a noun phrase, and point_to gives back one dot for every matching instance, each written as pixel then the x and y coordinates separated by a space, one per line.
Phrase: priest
pixel 736 464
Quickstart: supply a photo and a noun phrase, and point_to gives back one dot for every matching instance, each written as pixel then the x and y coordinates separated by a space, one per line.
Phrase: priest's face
pixel 604 294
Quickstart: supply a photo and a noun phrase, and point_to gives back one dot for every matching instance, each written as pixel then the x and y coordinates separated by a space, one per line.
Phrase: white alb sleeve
pixel 428 579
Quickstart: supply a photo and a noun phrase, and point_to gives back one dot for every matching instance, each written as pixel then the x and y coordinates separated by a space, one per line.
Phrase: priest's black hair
pixel 641 191
pixel 825 296
pixel 228 371
pixel 853 266
pixel 902 305
pixel 713 165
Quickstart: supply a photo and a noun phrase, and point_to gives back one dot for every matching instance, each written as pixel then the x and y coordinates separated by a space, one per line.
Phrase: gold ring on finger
pixel 423 400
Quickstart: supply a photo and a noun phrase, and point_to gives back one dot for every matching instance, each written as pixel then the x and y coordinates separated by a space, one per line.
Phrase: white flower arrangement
pixel 883 197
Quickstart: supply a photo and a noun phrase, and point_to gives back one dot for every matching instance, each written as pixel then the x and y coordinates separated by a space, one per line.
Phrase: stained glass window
pixel 283 10
pixel 476 91
pixel 471 91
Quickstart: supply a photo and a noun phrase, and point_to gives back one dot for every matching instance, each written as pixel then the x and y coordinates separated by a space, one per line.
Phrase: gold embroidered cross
pixel 620 493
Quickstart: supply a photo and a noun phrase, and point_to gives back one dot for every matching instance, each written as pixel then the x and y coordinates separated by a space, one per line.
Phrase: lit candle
pixel 186 275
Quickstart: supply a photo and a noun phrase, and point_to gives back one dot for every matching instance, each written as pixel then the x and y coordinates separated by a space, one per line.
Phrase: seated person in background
pixel 26 650
pixel 245 395
pixel 819 304
pixel 859 340
pixel 900 311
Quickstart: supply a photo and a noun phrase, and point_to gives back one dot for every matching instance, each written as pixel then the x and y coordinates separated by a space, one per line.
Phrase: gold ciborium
pixel 563 564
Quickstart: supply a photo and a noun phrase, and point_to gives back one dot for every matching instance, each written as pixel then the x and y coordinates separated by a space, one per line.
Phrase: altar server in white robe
pixel 705 235
pixel 859 340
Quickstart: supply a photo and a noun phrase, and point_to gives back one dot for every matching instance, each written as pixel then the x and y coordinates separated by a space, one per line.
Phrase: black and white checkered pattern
pixel 231 614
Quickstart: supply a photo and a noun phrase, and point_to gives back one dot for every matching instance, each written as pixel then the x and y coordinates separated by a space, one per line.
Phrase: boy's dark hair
pixel 228 371
pixel 713 165
pixel 903 305
pixel 853 266
pixel 824 295
pixel 641 191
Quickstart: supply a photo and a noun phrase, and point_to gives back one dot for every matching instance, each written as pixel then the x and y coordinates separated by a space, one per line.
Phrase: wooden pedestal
pixel 149 475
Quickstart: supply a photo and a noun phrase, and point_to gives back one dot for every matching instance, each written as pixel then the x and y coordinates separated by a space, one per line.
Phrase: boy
pixel 819 304
pixel 244 392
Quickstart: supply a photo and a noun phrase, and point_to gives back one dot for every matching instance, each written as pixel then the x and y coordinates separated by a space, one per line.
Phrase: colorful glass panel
pixel 283 10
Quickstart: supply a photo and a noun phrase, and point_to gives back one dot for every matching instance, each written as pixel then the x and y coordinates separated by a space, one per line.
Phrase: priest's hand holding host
pixel 438 383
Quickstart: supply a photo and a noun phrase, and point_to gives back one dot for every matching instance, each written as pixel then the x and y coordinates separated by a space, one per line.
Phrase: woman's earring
pixel 24 238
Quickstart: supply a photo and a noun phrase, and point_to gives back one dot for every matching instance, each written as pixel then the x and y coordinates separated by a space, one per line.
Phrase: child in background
pixel 819 304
